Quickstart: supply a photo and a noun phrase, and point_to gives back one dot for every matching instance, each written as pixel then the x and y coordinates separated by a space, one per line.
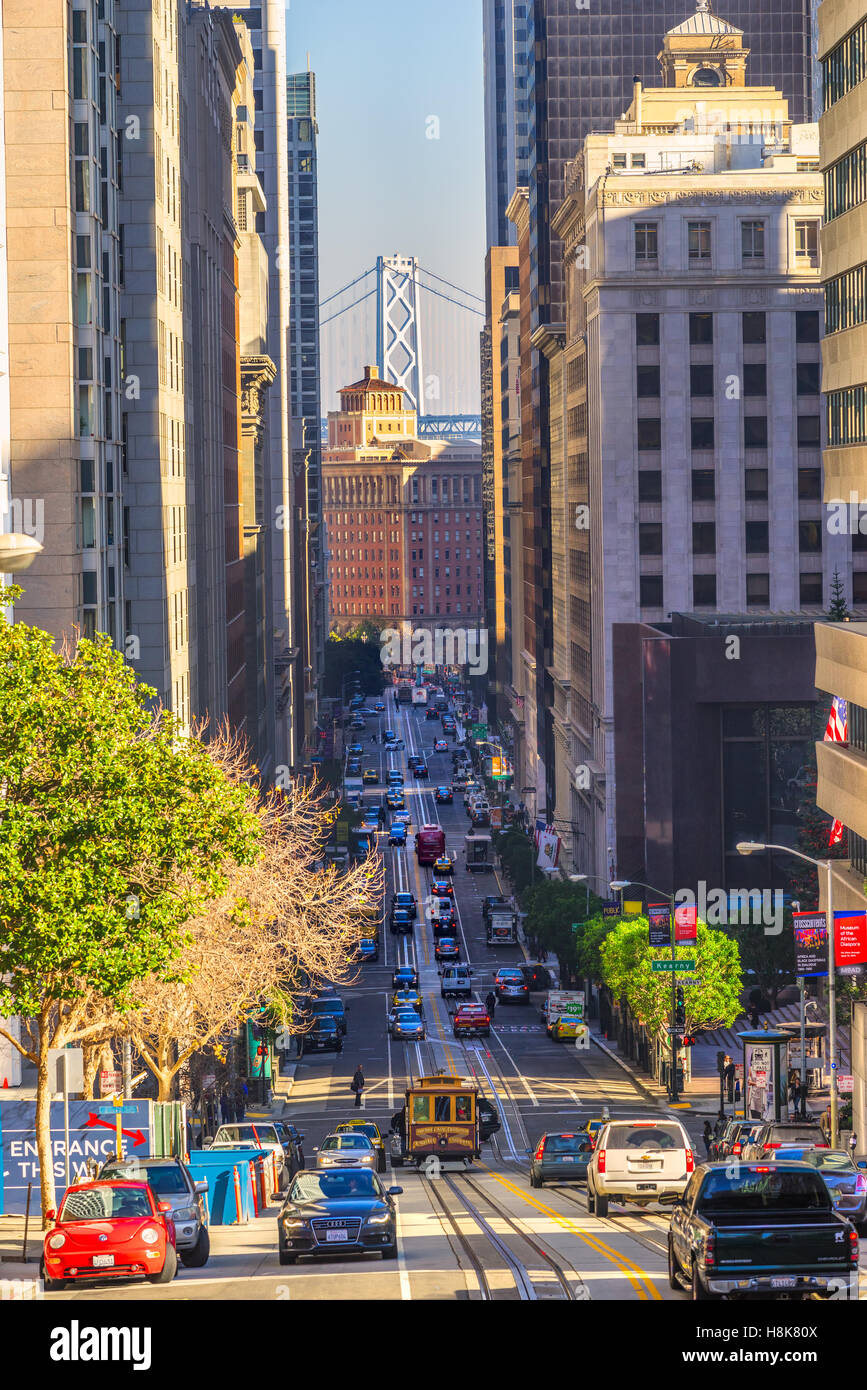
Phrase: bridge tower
pixel 398 325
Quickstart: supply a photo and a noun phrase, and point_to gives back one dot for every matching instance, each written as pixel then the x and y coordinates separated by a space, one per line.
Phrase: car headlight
pixel 57 1241
pixel 185 1214
pixel 150 1235
pixel 294 1223
pixel 378 1220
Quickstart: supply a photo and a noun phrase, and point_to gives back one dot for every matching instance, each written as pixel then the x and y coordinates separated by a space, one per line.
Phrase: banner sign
pixel 686 922
pixel 760 1087
pixel 611 909
pixel 659 924
pixel 850 938
pixel 92 1134
pixel 811 943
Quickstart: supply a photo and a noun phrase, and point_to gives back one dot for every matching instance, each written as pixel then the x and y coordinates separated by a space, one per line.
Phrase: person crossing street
pixel 358 1085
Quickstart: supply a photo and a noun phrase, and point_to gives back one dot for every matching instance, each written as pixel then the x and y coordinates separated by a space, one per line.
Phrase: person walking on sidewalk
pixel 358 1085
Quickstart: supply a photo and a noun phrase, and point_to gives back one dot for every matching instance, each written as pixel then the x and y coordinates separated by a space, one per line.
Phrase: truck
pixel 419 695
pixel 501 927
pixel 563 1007
pixel 477 851
pixel 763 1230
pixel 430 843
pixel 404 692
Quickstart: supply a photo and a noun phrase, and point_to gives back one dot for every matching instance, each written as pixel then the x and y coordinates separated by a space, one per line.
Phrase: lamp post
pixel 17 552
pixel 617 885
pixel 747 847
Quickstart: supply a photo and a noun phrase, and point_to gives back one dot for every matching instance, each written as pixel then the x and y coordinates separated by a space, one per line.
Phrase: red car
pixel 109 1230
pixel 472 1020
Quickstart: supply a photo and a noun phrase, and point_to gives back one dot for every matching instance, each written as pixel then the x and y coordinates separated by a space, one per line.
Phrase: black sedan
pixel 323 1036
pixel 331 1213
pixel 444 796
pixel 562 1157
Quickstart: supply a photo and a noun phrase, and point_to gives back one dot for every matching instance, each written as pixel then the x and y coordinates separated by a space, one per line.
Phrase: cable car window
pixel 420 1108
pixel 462 1108
pixel 442 1108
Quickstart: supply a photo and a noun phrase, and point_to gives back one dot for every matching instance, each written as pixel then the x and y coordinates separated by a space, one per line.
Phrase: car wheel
pixel 169 1269
pixel 601 1205
pixel 673 1281
pixel 699 1292
pixel 535 1181
pixel 591 1201
pixel 390 1251
pixel 287 1259
pixel 197 1258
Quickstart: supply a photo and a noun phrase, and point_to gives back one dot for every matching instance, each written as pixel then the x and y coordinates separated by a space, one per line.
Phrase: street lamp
pixel 617 885
pixel 17 552
pixel 747 847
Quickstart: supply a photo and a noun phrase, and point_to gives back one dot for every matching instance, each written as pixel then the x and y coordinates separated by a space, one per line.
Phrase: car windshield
pixel 644 1136
pixel 313 1187
pixel 163 1179
pixel 565 1144
pixel 408 1020
pixel 326 1006
pixel 101 1201
pixel 511 977
pixel 346 1141
pixel 831 1161
pixel 771 1190
pixel 371 1130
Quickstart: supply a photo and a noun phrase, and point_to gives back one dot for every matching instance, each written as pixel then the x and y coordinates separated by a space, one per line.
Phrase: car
pixel 405 900
pixel 374 1134
pixel 445 925
pixel 259 1134
pixel 394 778
pixel 329 1006
pixel 389 736
pixel 638 1161
pixel 404 977
pixel 293 1141
pixel 323 1035
pixel 431 713
pixel 356 723
pixel 400 922
pixel 593 1127
pixel 329 1211
pixel 731 1139
pixel 444 796
pixel 397 836
pixel 456 980
pixel 353 768
pixel 379 707
pixel 413 759
pixel 370 776
pixel 109 1229
pixel 488 1116
pixel 447 948
pixel 471 1020
pixel 402 817
pixel 367 949
pixel 354 750
pixel 395 801
pixel 843 1179
pixel 170 1180
pixel 395 745
pixel 407 998
pixel 444 865
pixel 510 985
pixel 441 888
pixel 561 1157
pixel 407 1026
pixel 345 1151
pixel 537 977
pixel 421 770
pixel 777 1134
pixel 440 746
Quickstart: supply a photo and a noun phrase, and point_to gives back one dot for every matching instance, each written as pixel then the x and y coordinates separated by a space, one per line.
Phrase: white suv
pixel 638 1161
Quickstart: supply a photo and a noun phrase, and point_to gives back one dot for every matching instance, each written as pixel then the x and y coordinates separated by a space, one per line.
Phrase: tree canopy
pixel 712 1001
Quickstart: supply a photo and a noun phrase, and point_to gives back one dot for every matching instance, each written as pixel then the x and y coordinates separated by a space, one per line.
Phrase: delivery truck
pixel 477 851
pixel 501 927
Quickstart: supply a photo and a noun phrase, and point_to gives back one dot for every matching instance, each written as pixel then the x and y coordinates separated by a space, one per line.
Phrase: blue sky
pixel 382 68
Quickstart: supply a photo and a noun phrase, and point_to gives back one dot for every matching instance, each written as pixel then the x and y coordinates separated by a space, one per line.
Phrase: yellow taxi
pixel 407 999
pixel 374 1134
pixel 443 865
pixel 370 776
pixel 567 1026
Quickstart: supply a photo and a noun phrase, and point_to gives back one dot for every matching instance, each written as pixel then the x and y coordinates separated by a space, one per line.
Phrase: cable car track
pixel 658 1247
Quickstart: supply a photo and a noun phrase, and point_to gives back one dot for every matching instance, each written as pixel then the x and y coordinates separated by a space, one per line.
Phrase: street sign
pixel 611 909
pixel 480 731
pixel 109 1082
pixel 845 1083
pixel 71 1057
pixel 672 965
pixel 116 1109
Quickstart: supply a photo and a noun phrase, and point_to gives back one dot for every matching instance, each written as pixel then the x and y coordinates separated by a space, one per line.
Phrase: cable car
pixel 440 1119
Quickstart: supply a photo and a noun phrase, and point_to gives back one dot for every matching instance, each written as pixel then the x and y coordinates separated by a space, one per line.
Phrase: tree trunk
pixel 43 1117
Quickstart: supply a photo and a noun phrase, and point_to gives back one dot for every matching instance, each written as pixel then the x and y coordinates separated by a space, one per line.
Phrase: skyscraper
pixel 505 52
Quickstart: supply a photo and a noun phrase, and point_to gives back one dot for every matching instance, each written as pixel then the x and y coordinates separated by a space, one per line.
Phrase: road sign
pixel 116 1109
pixel 110 1082
pixel 480 731
pixel 672 965
pixel 73 1059
pixel 845 1083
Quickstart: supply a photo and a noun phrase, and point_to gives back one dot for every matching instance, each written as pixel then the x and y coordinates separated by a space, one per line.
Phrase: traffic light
pixel 679 1008
pixel 688 1041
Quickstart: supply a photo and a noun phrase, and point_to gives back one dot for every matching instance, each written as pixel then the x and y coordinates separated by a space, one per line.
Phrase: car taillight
pixel 860 1183
pixel 690 1161
pixel 601 1161
pixel 766 1147
pixel 540 1150
pixel 736 1148
pixel 710 1248
pixel 854 1249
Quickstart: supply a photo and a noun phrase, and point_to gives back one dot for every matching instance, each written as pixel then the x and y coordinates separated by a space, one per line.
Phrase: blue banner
pixel 91 1135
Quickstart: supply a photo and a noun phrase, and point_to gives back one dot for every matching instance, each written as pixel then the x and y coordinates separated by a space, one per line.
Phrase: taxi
pixel 593 1127
pixel 407 999
pixel 373 1133
pixel 566 1026
pixel 370 777
pixel 395 801
pixel 444 865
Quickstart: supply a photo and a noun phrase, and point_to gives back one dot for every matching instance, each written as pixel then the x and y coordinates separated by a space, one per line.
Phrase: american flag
pixel 836 731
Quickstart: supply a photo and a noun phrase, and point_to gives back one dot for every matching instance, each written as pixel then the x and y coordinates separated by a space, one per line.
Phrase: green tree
pixel 553 908
pixel 518 853
pixel 594 932
pixel 838 612
pixel 768 961
pixel 357 652
pixel 116 828
pixel 713 1002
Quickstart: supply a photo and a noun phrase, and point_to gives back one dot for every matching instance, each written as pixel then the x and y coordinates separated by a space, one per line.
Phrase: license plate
pixel 784 1283
pixel 336 1235
pixel 646 1186
pixel 567 1158
pixel 102 1261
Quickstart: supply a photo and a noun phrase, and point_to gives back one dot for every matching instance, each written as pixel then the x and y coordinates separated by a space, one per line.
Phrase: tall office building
pixel 505 61
pixel 309 595
pixel 580 68
pixel 841 648
pixel 64 250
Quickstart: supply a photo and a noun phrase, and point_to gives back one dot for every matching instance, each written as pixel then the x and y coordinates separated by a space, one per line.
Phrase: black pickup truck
pixel 766 1230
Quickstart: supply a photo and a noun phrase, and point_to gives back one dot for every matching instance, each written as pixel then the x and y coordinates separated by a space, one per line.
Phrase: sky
pixel 382 69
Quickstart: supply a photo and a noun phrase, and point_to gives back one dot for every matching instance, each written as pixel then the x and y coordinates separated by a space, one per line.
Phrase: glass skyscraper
pixel 505 50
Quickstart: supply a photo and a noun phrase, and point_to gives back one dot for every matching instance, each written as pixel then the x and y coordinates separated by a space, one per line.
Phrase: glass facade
pixel 845 66
pixel 847 416
pixel 846 182
pixel 505 39
pixel 846 299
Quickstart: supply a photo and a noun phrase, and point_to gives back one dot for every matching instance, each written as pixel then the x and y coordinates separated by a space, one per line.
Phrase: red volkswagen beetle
pixel 109 1230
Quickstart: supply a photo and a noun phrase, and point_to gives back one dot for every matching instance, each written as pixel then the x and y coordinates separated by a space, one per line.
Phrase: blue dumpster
pixel 218 1167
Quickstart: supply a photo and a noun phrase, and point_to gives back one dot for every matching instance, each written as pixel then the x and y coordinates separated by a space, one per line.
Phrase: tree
pixel 116 827
pixel 518 854
pixel 838 611
pixel 279 925
pixel 361 652
pixel 552 910
pixel 767 960
pixel 591 937
pixel 713 1002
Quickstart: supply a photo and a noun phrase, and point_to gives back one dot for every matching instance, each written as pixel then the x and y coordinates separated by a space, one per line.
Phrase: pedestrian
pixel 707 1136
pixel 358 1085
pixel 729 1078
pixel 825 1124
pixel 226 1109
pixel 490 1002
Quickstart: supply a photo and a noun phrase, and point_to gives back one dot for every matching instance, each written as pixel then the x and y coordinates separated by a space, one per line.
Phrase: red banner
pixel 850 938
pixel 685 922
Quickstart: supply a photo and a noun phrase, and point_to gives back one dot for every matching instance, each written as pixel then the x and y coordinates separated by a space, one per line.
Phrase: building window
pixel 810 484
pixel 701 380
pixel 649 538
pixel 701 432
pixel 650 486
pixel 755 379
pixel 807 241
pixel 649 434
pixel 810 589
pixel 807 374
pixel 698 242
pixel 756 534
pixel 646 246
pixel 846 182
pixel 704 590
pixel 703 485
pixel 646 330
pixel 618 161
pixel 807 326
pixel 809 434
pixel 650 590
pixel 859 586
pixel 752 243
pixel 755 484
pixel 704 538
pixel 845 66
pixel 755 431
pixel 700 329
pixel 753 327
pixel 758 590
pixel 646 381
pixel 846 300
pixel 810 537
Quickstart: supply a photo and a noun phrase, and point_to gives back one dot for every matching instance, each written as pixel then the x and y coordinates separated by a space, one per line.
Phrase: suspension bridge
pixel 424 334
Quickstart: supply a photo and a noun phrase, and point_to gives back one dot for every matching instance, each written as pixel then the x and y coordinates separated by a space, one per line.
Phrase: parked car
pixel 327 1212
pixel 766 1229
pixel 638 1161
pixel 259 1134
pixel 561 1157
pixel 322 1036
pixel 293 1146
pixel 170 1180
pixel 367 949
pixel 109 1229
pixel 730 1141
pixel 777 1134
pixel 843 1179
